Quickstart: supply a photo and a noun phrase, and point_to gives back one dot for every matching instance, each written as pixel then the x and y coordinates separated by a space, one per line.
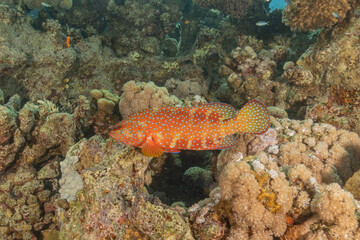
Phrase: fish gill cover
pixel 71 71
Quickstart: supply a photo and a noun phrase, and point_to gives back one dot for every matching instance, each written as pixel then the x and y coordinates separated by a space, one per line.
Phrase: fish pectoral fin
pixel 172 150
pixel 151 149
pixel 228 142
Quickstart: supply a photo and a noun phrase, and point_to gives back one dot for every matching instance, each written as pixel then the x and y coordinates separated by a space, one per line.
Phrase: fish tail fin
pixel 253 118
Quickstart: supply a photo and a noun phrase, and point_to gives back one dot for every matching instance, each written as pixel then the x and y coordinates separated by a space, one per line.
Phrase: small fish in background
pixel 335 15
pixel 207 127
pixel 68 41
pixel 46 4
pixel 187 22
pixel 262 23
pixel 357 12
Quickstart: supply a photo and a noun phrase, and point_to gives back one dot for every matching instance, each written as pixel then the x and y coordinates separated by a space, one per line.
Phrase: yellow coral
pixel 266 197
pixel 170 66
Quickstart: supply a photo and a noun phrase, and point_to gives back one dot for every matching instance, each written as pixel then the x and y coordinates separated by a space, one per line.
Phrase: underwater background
pixel 71 70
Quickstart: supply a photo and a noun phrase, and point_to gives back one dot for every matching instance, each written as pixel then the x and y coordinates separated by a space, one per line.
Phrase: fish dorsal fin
pixel 253 118
pixel 225 111
pixel 228 142
pixel 151 149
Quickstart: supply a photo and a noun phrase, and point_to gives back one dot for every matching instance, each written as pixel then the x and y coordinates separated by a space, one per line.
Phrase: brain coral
pixel 235 8
pixel 305 15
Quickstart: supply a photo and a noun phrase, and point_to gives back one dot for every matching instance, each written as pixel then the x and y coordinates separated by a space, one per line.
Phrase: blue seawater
pixel 277 4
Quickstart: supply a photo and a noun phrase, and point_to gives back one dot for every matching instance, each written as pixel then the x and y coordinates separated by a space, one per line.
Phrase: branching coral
pixel 306 15
pixel 235 8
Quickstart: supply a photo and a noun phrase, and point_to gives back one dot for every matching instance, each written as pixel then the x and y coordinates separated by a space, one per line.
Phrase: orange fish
pixel 207 127
pixel 187 22
pixel 68 41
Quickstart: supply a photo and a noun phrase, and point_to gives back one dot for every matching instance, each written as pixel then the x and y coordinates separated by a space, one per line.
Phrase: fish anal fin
pixel 151 149
pixel 224 110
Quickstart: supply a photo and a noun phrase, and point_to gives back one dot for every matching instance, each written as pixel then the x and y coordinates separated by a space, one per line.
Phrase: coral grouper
pixel 207 127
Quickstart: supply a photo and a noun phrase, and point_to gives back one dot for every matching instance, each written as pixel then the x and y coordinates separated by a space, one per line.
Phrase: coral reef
pixel 247 183
pixel 61 177
pixel 250 70
pixel 102 209
pixel 304 15
pixel 60 73
pixel 235 8
pixel 336 208
pixel 293 173
pixel 9 131
pixel 334 95
pixel 39 137
pixel 64 4
pixel 259 200
pixel 105 107
pixel 186 88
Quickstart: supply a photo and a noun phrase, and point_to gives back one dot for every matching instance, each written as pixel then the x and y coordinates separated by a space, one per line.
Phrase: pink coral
pixel 263 141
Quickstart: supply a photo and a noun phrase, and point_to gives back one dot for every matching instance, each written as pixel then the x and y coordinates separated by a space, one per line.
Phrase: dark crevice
pixel 185 178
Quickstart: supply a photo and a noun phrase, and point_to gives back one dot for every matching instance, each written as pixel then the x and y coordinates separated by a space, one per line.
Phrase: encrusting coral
pixel 114 201
pixel 304 15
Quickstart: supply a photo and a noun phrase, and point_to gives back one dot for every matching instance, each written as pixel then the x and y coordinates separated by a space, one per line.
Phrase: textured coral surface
pixel 308 15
